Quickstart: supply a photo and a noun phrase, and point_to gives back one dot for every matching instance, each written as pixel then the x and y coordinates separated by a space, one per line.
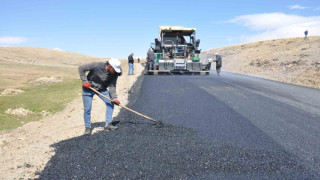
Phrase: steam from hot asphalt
pixel 201 139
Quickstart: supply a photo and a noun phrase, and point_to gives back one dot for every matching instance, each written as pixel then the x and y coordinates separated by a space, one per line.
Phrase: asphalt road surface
pixel 227 127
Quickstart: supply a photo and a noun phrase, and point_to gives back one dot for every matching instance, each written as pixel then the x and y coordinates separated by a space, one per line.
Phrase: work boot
pixel 88 131
pixel 110 127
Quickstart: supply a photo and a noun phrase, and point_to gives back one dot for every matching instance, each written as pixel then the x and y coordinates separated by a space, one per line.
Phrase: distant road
pixel 229 127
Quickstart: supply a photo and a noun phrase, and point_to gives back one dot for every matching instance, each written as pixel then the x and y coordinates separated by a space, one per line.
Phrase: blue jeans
pixel 131 68
pixel 87 96
pixel 152 64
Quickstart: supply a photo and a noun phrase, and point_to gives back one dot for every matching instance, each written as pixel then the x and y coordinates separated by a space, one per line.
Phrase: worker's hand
pixel 117 102
pixel 86 85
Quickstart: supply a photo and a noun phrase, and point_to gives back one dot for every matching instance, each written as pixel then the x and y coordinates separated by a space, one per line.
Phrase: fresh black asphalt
pixel 228 127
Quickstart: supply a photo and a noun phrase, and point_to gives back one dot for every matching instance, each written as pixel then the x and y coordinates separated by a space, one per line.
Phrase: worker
pixel 130 63
pixel 100 77
pixel 138 60
pixel 209 63
pixel 306 34
pixel 151 59
pixel 218 63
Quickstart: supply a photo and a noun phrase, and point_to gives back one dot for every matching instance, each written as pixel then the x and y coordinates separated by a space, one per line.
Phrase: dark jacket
pixel 218 61
pixel 150 56
pixel 99 78
pixel 130 59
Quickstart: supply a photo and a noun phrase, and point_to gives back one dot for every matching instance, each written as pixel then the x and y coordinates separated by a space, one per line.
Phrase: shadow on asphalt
pixel 140 150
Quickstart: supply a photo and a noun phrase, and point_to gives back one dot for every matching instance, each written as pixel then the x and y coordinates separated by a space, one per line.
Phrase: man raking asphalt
pixel 100 77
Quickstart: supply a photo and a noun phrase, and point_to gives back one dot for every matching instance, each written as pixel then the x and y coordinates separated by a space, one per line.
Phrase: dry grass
pixel 15 75
pixel 44 57
pixel 291 60
pixel 24 66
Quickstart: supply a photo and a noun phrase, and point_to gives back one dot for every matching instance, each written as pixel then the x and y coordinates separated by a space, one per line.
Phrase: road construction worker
pixel 151 60
pixel 218 63
pixel 130 63
pixel 103 78
pixel 209 63
pixel 306 34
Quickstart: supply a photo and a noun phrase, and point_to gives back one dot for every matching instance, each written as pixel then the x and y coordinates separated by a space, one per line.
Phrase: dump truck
pixel 176 51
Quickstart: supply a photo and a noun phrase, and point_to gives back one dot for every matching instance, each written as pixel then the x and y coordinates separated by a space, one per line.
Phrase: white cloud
pixel 12 40
pixel 267 20
pixel 277 25
pixel 58 49
pixel 297 7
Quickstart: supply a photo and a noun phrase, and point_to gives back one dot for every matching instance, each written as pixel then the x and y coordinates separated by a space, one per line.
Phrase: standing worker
pixel 306 34
pixel 151 59
pixel 138 60
pixel 218 63
pixel 100 77
pixel 130 62
pixel 209 63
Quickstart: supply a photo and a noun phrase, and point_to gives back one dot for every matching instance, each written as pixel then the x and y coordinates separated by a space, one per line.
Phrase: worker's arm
pixel 112 89
pixel 84 68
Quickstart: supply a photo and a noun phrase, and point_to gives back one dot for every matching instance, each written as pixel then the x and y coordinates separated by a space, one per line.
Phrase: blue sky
pixel 117 28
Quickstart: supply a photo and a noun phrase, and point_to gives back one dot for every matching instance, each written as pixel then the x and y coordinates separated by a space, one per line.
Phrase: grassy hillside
pixel 291 60
pixel 41 100
pixel 49 79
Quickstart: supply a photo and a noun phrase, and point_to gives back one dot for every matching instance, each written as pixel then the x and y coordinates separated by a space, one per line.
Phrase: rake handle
pixel 123 106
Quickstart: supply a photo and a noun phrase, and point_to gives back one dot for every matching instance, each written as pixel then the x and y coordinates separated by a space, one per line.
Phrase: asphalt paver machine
pixel 176 51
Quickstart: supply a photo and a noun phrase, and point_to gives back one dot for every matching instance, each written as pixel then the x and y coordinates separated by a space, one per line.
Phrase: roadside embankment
pixel 290 60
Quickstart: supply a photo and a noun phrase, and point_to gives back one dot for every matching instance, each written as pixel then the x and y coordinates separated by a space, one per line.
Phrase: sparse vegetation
pixel 49 97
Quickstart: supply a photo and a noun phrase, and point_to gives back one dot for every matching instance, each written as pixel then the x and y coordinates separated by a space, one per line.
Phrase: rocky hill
pixel 290 60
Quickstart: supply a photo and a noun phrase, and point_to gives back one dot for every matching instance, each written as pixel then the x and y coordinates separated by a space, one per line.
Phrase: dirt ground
pixel 26 150
pixel 290 60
